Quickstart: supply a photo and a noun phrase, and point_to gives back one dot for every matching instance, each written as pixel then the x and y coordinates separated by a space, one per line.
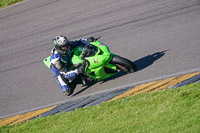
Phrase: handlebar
pixel 92 39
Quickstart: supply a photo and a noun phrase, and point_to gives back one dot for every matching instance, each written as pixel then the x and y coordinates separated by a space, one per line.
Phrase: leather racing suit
pixel 60 64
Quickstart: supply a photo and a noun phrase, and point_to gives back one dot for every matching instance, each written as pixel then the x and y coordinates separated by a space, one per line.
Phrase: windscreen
pixel 87 50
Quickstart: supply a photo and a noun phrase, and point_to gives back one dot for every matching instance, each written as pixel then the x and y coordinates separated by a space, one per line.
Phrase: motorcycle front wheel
pixel 123 65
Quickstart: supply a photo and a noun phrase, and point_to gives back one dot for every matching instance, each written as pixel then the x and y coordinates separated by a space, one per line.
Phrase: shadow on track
pixel 148 60
pixel 142 63
pixel 83 89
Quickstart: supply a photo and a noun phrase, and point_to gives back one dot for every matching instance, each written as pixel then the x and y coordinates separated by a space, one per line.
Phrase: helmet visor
pixel 65 48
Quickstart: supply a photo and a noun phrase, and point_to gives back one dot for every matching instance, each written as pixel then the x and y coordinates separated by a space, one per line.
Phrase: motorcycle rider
pixel 60 61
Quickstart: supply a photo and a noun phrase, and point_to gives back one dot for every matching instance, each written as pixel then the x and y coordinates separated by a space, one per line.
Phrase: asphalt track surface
pixel 161 37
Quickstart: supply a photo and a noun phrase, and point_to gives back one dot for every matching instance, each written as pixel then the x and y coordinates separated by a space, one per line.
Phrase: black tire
pixel 123 64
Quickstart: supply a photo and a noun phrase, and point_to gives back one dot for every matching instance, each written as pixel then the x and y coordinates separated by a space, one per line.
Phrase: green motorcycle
pixel 99 63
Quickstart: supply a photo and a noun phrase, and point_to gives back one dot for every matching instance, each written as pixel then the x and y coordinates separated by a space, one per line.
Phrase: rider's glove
pixel 81 39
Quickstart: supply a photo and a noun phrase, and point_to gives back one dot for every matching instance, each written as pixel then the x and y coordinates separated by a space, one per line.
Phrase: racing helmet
pixel 62 45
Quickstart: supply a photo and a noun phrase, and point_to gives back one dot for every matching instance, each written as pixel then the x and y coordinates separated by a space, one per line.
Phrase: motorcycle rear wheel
pixel 123 65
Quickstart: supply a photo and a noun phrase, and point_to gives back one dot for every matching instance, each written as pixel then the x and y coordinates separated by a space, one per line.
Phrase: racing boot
pixel 81 69
pixel 68 92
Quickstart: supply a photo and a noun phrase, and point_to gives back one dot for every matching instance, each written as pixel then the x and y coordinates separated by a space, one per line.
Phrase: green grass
pixel 173 110
pixel 4 3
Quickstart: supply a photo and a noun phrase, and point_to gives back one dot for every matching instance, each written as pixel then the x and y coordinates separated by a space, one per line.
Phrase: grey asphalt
pixel 161 37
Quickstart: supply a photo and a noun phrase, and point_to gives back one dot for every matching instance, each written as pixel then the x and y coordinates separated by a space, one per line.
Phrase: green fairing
pixel 98 58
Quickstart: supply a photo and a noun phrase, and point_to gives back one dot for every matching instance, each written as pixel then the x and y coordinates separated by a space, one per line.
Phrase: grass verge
pixel 5 3
pixel 172 110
